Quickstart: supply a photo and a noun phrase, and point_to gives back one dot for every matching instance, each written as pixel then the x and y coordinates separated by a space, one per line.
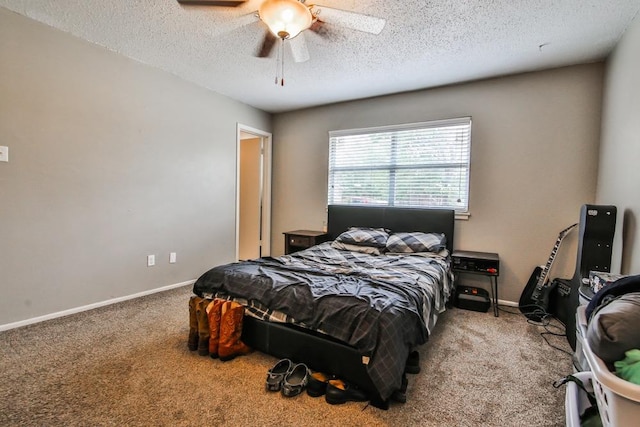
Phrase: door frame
pixel 265 191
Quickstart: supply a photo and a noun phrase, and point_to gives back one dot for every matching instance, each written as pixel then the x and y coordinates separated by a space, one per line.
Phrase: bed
pixel 349 313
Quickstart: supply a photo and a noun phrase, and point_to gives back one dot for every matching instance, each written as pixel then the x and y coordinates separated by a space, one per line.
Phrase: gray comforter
pixel 382 305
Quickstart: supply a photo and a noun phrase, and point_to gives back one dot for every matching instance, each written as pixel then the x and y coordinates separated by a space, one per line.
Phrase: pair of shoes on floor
pixel 225 323
pixel 287 377
pixel 335 391
pixel 215 328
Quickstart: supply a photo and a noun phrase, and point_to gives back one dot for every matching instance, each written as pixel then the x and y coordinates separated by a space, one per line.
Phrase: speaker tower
pixel 595 245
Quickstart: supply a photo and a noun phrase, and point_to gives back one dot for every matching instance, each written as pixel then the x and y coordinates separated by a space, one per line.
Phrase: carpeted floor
pixel 128 364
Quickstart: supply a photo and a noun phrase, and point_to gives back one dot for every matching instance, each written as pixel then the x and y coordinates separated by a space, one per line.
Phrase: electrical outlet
pixel 172 258
pixel 4 154
pixel 151 260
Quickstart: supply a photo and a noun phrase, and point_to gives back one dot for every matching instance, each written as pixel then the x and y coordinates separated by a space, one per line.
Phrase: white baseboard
pixel 507 303
pixel 75 310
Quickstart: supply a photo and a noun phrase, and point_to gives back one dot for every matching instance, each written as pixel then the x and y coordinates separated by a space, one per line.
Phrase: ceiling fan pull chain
pixel 282 63
pixel 277 65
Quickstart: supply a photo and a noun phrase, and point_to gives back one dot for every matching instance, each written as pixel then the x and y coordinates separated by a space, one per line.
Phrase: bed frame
pixel 321 352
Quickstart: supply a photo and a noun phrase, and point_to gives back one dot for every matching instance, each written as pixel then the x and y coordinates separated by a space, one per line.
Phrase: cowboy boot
pixel 213 314
pixel 230 344
pixel 203 327
pixel 192 342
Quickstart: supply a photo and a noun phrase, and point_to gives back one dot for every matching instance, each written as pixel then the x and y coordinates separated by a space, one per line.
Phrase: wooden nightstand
pixel 298 240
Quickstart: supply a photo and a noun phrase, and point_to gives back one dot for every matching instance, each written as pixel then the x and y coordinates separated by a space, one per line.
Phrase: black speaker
pixel 595 244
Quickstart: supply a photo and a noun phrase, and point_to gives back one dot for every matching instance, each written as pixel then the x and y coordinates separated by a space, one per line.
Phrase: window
pixel 412 165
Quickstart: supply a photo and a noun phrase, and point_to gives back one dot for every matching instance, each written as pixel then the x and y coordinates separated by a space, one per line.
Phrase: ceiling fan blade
pixel 322 30
pixel 299 49
pixel 246 19
pixel 232 24
pixel 228 3
pixel 352 20
pixel 267 45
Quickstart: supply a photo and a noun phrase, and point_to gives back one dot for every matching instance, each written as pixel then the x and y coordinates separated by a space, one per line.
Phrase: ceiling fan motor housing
pixel 285 18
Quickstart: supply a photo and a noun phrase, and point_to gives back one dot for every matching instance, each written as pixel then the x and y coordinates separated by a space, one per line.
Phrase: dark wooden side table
pixel 298 240
pixel 483 263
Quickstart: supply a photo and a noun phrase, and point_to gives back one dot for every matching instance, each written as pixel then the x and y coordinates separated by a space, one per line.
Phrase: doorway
pixel 253 193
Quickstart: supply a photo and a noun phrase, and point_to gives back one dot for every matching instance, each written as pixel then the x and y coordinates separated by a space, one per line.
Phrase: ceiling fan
pixel 288 19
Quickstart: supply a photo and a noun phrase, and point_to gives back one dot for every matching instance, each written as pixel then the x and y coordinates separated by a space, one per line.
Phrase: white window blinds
pixel 413 165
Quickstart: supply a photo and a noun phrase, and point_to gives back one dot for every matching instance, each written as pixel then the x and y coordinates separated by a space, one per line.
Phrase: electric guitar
pixel 534 301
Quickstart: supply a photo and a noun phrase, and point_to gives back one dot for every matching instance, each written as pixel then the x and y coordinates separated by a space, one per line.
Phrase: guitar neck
pixel 545 271
pixel 552 258
pixel 547 267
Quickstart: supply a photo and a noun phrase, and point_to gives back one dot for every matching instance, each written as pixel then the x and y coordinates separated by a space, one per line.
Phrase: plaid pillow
pixel 405 243
pixel 355 248
pixel 365 236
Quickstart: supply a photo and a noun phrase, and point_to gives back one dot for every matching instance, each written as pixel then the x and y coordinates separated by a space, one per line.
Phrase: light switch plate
pixel 4 154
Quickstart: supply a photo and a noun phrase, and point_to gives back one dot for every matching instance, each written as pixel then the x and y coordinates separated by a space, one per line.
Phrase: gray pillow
pixel 365 236
pixel 406 243
pixel 614 328
pixel 355 248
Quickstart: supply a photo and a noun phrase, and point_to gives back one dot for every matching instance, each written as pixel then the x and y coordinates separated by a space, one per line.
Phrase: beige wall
pixel 534 159
pixel 250 203
pixel 110 160
pixel 619 173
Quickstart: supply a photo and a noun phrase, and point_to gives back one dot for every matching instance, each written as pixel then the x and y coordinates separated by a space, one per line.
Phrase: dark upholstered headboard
pixel 340 218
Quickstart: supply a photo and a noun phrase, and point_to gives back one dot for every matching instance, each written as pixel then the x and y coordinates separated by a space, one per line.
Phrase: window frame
pixel 393 130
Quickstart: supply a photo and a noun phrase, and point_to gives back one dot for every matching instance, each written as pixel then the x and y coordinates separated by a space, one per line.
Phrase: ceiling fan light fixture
pixel 285 18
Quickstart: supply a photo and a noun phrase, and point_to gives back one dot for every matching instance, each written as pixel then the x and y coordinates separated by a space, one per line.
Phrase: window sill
pixel 463 216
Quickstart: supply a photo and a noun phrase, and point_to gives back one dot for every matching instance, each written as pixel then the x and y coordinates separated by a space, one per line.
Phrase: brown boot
pixel 230 331
pixel 203 327
pixel 214 312
pixel 192 342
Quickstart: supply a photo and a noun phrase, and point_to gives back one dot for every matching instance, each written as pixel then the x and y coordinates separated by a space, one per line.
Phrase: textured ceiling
pixel 423 44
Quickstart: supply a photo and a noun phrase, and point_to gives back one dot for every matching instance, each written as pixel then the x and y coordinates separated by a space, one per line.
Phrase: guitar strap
pixel 571 378
pixel 591 415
